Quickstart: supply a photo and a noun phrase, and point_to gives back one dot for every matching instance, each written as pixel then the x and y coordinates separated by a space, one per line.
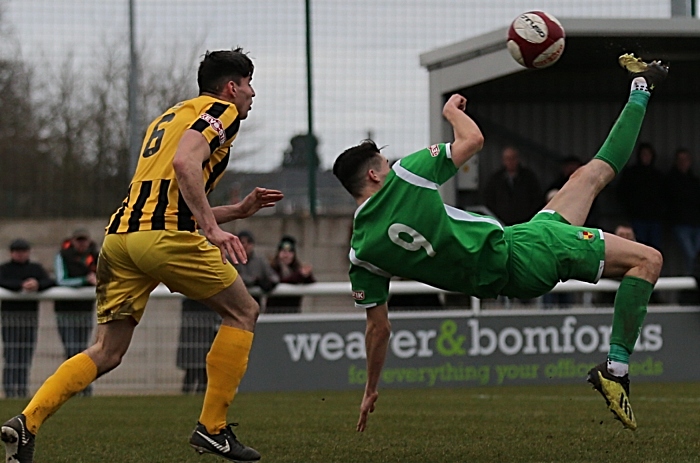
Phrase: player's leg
pixel 575 198
pixel 74 375
pixel 227 362
pixel 194 268
pixel 639 266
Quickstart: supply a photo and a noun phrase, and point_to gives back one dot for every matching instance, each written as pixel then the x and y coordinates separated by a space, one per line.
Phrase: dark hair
pixel 247 235
pixel 646 146
pixel 219 67
pixel 352 164
pixel 20 245
pixel 290 243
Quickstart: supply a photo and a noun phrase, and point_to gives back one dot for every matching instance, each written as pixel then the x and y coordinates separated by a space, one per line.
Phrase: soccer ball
pixel 536 39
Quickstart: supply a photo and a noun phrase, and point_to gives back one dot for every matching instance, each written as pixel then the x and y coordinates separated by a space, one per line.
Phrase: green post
pixel 311 145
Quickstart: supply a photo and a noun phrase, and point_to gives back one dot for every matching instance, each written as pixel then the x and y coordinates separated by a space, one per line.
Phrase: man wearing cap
pixel 75 266
pixel 19 317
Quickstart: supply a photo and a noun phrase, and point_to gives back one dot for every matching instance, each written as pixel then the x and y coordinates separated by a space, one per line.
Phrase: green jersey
pixel 406 230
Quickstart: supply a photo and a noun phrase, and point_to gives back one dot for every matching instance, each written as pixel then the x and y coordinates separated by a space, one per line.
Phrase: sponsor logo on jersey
pixel 358 295
pixel 586 235
pixel 215 124
pixel 434 150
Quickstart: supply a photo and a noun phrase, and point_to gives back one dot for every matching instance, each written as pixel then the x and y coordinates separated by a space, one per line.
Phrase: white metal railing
pixel 344 289
pixel 166 337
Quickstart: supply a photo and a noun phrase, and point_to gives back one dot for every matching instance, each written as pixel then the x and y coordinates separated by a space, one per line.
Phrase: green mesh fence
pixel 64 69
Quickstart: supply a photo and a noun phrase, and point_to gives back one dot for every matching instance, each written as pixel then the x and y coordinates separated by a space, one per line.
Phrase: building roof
pixel 669 39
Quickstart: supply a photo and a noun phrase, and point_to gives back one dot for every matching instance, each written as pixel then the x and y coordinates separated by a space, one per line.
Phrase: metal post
pixel 134 113
pixel 310 145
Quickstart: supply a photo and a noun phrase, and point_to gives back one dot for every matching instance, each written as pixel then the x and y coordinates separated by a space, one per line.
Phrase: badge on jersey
pixel 434 150
pixel 215 124
pixel 358 295
pixel 586 235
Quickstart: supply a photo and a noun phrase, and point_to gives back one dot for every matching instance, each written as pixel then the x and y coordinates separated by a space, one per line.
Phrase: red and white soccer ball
pixel 536 39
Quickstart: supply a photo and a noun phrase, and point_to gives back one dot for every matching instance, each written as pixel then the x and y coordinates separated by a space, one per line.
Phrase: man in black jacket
pixel 19 317
pixel 513 193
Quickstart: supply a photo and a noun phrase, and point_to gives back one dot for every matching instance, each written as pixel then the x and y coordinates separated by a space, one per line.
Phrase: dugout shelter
pixel 567 109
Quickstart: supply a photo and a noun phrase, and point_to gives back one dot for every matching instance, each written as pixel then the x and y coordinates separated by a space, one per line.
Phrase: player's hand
pixel 258 199
pixel 456 101
pixel 228 244
pixel 366 408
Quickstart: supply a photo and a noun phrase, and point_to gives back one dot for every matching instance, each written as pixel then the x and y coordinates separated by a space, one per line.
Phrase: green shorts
pixel 547 250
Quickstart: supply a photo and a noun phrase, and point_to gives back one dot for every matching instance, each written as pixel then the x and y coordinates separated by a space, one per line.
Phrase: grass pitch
pixel 501 424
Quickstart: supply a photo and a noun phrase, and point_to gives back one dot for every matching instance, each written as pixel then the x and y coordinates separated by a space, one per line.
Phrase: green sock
pixel 630 309
pixel 618 146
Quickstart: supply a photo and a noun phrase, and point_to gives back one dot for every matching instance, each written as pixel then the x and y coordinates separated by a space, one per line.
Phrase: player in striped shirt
pixel 153 238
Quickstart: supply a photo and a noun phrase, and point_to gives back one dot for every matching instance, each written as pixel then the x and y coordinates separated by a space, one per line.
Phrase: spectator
pixel 257 271
pixel 625 230
pixel 197 331
pixel 289 270
pixel 19 317
pixel 683 193
pixel 75 267
pixel 641 192
pixel 513 193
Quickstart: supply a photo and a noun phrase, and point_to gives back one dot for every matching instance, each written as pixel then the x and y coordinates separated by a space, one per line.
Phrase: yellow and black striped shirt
pixel 154 201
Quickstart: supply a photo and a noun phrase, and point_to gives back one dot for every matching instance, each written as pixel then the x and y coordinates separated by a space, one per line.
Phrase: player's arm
pixel 376 343
pixel 257 199
pixel 192 151
pixel 468 137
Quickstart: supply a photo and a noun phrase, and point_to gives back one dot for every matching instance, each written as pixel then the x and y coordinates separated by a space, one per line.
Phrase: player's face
pixel 243 96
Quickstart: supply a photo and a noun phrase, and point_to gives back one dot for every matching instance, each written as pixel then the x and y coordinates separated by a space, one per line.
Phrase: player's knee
pixel 253 311
pixel 245 313
pixel 596 174
pixel 105 360
pixel 656 261
pixel 114 359
pixel 651 263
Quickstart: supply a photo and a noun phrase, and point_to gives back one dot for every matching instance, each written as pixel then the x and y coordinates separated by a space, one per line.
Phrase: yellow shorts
pixel 132 264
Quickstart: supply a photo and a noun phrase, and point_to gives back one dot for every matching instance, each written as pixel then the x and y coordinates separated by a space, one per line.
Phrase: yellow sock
pixel 74 375
pixel 226 364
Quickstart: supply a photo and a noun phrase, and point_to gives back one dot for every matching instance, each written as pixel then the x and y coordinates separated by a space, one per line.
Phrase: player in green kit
pixel 402 228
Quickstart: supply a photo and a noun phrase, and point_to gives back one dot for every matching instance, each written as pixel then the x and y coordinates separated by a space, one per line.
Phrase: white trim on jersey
pixel 366 265
pixel 459 214
pixel 448 150
pixel 357 211
pixel 412 178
